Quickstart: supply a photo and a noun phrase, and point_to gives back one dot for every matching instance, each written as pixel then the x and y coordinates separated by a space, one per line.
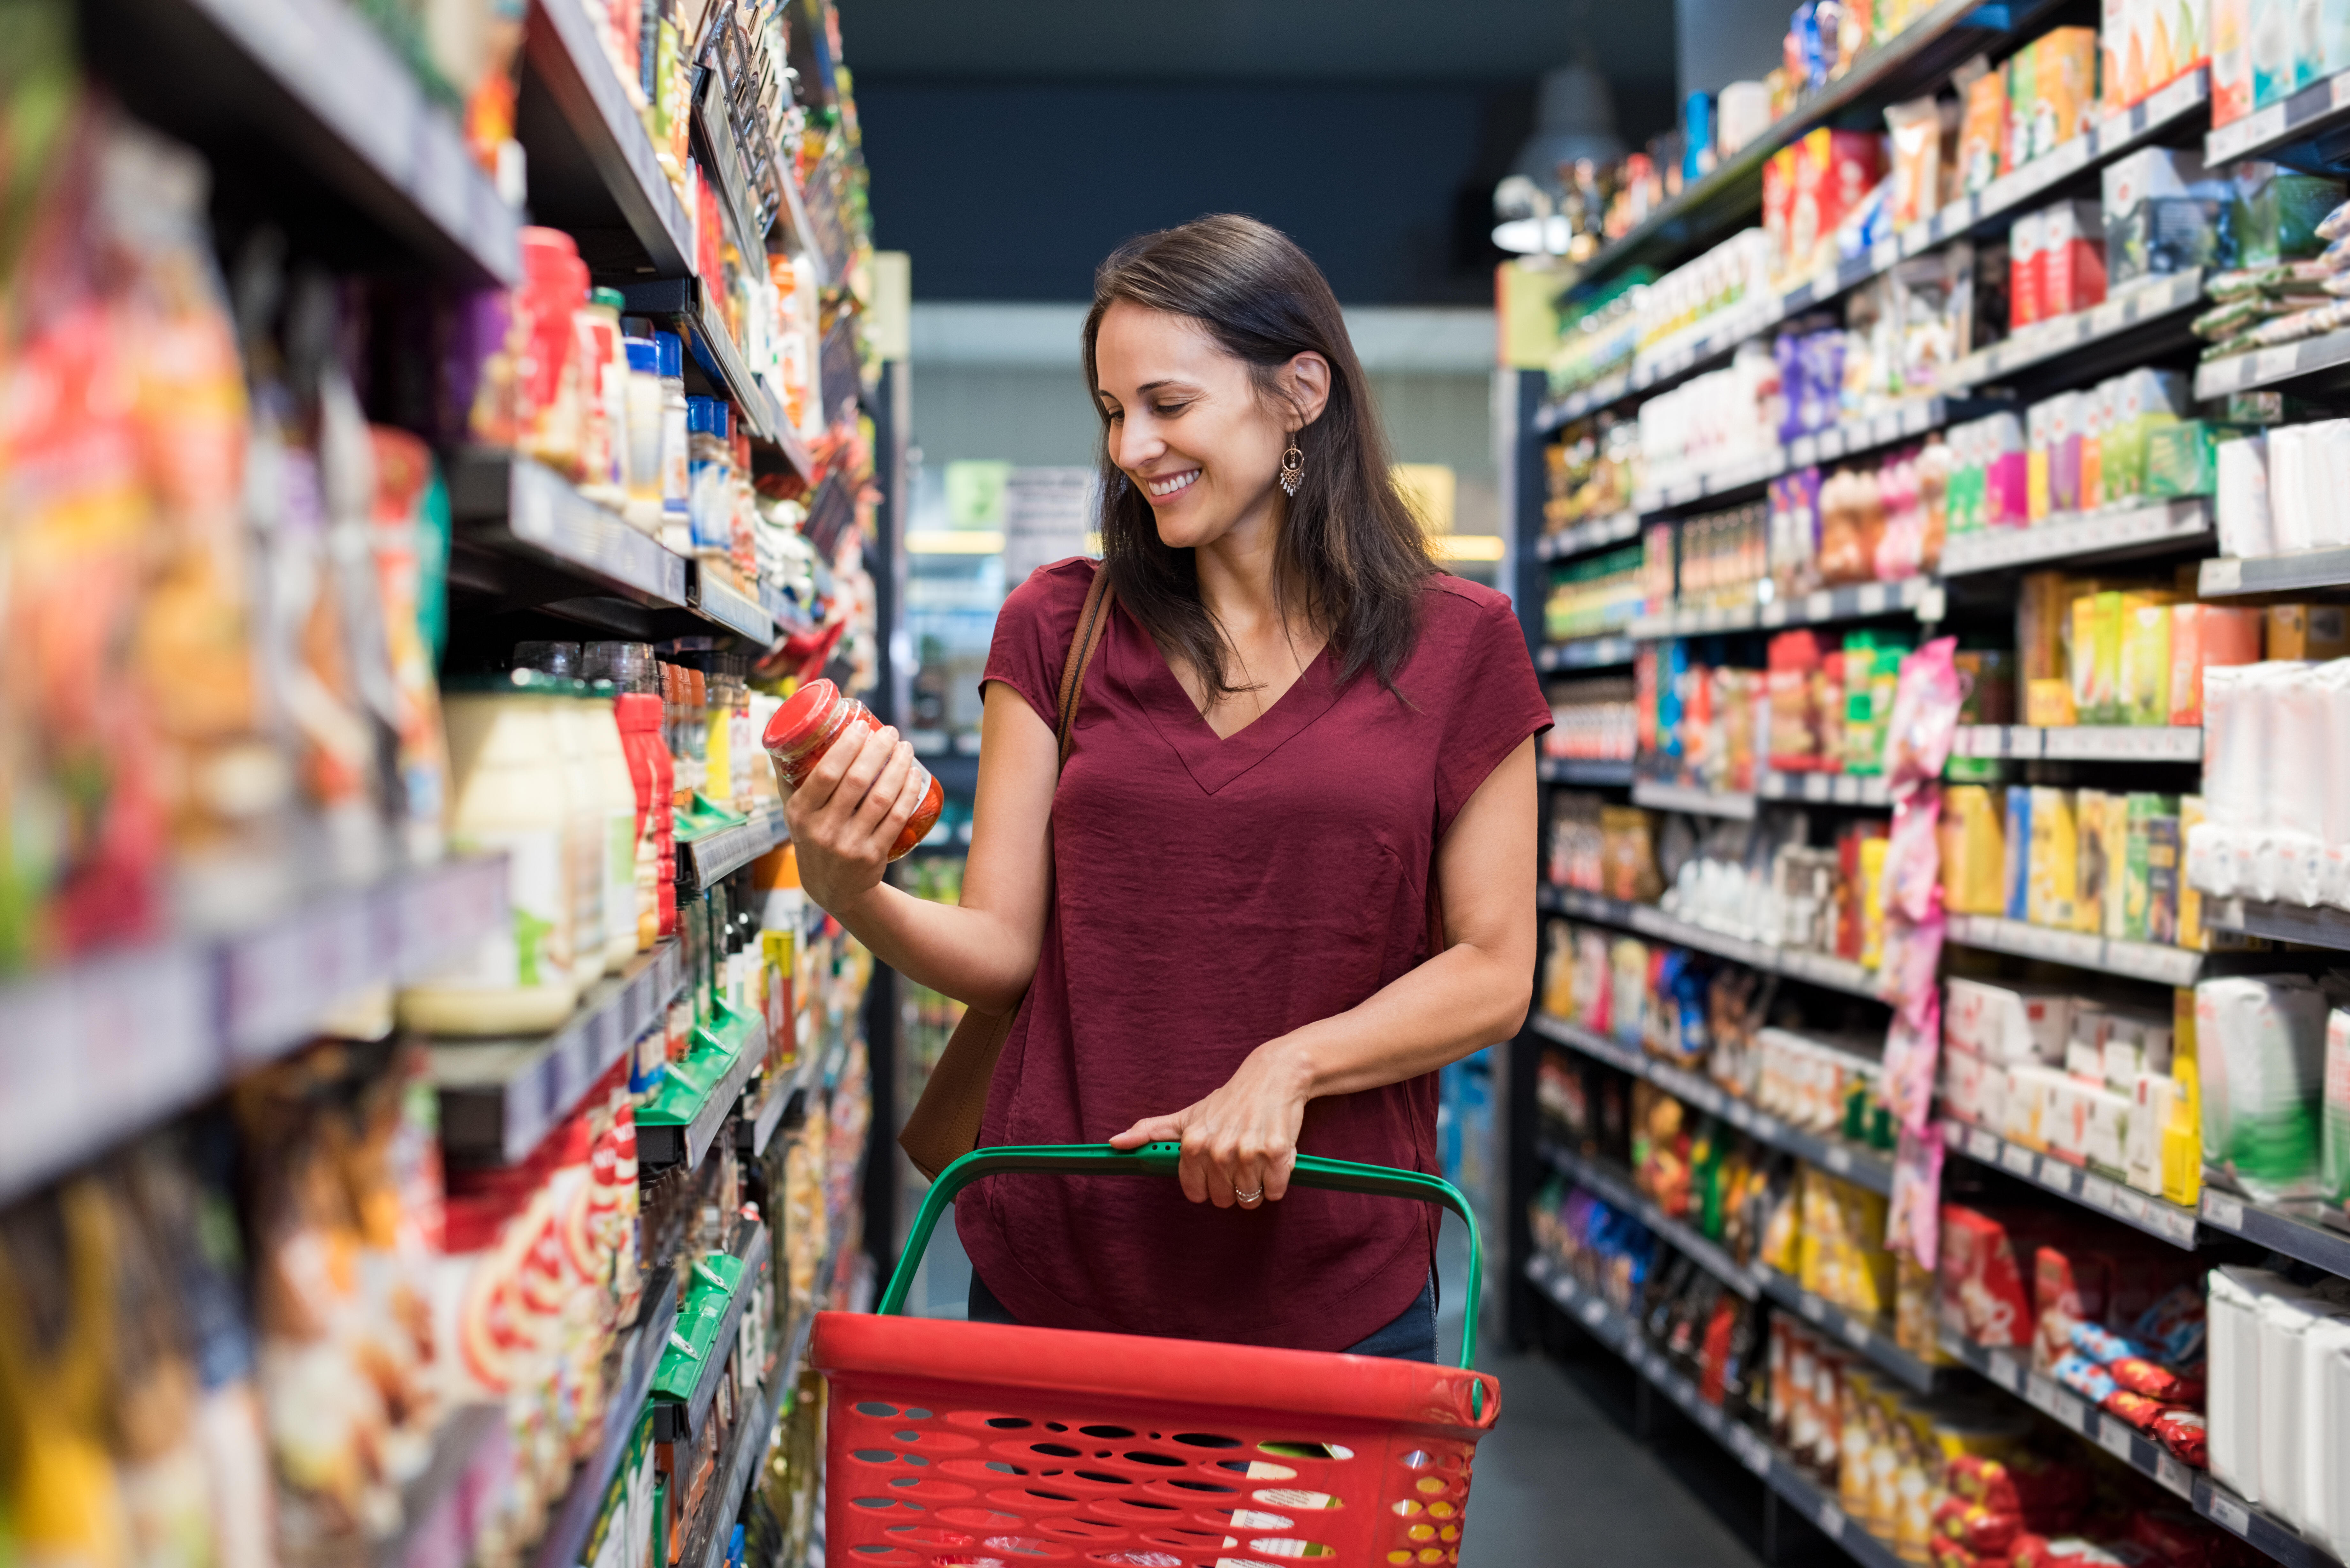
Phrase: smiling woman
pixel 1331 741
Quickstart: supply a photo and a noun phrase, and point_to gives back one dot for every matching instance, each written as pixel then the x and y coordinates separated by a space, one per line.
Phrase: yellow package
pixel 2113 834
pixel 2066 78
pixel 2182 1137
pixel 1872 902
pixel 2049 704
pixel 1973 842
pixel 2093 657
pixel 2089 882
pixel 2308 631
pixel 1916 1304
pixel 1558 980
pixel 2041 627
pixel 2142 682
pixel 2056 859
pixel 1854 1439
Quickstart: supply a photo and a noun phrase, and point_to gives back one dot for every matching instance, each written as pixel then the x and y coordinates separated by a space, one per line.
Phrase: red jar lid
pixel 801 718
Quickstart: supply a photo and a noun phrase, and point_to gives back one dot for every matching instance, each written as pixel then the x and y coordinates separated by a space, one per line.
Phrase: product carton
pixel 2230 33
pixel 2072 258
pixel 2315 632
pixel 2202 636
pixel 2064 70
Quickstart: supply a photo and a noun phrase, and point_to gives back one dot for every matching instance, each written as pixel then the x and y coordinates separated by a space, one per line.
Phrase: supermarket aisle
pixel 1562 1480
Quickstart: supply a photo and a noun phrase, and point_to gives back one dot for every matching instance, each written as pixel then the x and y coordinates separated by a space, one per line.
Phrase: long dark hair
pixel 1350 547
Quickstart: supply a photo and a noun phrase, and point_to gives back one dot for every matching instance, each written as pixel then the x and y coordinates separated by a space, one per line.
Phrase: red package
pixel 1778 208
pixel 2179 1540
pixel 1986 1296
pixel 2135 1409
pixel 1972 1478
pixel 2068 1287
pixel 1983 1531
pixel 2183 1433
pixel 1944 1553
pixel 2140 1375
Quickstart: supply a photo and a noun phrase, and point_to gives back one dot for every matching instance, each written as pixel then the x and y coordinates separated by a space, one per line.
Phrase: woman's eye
pixel 1169 410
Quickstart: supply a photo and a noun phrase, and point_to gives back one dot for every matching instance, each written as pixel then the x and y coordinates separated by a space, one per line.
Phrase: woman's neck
pixel 1240 578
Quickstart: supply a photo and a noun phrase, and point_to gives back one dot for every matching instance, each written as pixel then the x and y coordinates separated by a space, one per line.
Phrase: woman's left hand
pixel 1240 1143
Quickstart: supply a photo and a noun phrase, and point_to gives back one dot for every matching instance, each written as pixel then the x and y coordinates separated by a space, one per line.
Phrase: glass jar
pixel 803 730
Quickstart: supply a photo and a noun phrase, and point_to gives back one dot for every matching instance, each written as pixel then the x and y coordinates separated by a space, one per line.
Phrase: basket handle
pixel 1165 1159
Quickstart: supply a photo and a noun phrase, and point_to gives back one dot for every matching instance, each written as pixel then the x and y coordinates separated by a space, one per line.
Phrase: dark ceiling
pixel 1255 40
pixel 1013 146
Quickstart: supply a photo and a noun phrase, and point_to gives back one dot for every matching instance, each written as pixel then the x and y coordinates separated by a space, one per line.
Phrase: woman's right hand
pixel 846 818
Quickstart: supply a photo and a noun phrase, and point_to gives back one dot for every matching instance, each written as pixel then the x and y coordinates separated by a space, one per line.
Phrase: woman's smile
pixel 1170 486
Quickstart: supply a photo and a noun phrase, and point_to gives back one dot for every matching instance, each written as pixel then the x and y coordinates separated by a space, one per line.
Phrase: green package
pixel 2150 886
pixel 2334 1115
pixel 2180 461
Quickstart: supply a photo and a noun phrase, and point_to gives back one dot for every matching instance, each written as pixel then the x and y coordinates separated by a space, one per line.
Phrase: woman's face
pixel 1188 425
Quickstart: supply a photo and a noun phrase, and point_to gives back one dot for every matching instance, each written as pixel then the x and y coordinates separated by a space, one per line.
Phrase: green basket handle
pixel 1165 1159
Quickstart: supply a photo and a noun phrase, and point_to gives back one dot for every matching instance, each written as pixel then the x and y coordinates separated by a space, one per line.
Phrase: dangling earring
pixel 1293 468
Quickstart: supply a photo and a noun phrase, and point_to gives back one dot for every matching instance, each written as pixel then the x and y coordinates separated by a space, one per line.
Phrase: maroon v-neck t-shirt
pixel 1208 896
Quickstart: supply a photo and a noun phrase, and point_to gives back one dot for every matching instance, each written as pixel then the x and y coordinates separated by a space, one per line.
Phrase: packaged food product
pixel 1983 130
pixel 804 727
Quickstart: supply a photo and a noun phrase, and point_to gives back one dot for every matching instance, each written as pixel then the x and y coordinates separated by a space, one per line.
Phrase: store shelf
pixel 2114 1200
pixel 2328 356
pixel 1594 534
pixel 469 1452
pixel 2157 961
pixel 746 1449
pixel 1844 440
pixel 562 57
pixel 2009 1370
pixel 2033 347
pixel 688 302
pixel 639 1358
pixel 2083 743
pixel 676 1419
pixel 1660 796
pixel 307 96
pixel 2157 525
pixel 1824 789
pixel 2250 1522
pixel 499 1098
pixel 758 1127
pixel 730 607
pixel 527 507
pixel 1863 1166
pixel 715 127
pixel 1616 1187
pixel 1871 1336
pixel 94 1052
pixel 2298 1231
pixel 1618 1333
pixel 1854 601
pixel 706 859
pixel 2318 928
pixel 1584 653
pixel 679 1123
pixel 2175 104
pixel 1816 969
pixel 1582 770
pixel 2302 130
pixel 2226 575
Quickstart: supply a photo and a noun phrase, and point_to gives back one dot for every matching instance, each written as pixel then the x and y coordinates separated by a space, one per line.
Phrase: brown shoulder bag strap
pixel 1093 623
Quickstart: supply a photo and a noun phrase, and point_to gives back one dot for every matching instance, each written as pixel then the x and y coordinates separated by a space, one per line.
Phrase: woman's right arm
pixel 857 800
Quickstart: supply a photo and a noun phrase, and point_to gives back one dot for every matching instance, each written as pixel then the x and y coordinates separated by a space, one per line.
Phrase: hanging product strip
pixel 2085 770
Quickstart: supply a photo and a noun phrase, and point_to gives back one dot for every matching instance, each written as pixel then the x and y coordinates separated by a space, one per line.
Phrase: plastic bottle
pixel 677 524
pixel 603 399
pixel 628 667
pixel 710 457
pixel 718 734
pixel 589 810
pixel 511 796
pixel 643 446
pixel 803 730
pixel 623 913
pixel 547 392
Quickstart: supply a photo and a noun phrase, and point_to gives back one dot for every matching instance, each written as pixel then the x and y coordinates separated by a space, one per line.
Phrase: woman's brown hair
pixel 1351 545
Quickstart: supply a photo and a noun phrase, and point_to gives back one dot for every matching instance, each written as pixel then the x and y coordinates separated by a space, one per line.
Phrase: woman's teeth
pixel 1160 487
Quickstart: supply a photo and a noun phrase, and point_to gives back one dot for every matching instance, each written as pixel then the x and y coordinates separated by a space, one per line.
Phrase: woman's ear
pixel 1308 378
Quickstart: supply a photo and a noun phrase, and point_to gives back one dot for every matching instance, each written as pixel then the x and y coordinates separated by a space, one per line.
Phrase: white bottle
pixel 617 795
pixel 585 833
pixel 511 797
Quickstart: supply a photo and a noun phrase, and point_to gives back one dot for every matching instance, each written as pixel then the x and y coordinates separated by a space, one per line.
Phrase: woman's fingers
pixel 911 788
pixel 1150 1129
pixel 889 783
pixel 1277 1174
pixel 873 754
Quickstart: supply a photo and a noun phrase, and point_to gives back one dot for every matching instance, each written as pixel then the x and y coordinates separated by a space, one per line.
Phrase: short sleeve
pixel 1496 703
pixel 1033 632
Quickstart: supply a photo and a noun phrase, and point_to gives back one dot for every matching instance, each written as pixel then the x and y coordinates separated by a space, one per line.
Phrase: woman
pixel 1296 743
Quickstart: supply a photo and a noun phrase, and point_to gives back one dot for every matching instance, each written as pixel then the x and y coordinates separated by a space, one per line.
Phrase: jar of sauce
pixel 804 727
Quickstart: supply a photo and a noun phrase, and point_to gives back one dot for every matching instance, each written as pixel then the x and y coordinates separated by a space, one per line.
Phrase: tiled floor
pixel 1562 1480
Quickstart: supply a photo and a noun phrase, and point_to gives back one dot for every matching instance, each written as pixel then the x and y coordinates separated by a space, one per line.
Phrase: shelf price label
pixel 2232 1514
pixel 2115 1438
pixel 1831 1519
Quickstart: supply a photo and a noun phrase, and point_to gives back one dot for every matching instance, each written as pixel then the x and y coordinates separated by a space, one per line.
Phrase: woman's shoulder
pixel 1452 607
pixel 1052 595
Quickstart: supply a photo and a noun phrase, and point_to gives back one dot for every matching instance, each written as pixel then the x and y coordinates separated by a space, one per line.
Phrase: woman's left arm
pixel 1245 1136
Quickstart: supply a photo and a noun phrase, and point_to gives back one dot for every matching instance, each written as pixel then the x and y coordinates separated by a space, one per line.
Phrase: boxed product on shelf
pixel 2271 828
pixel 2280 1370
pixel 2056 263
pixel 1602 849
pixel 1591 470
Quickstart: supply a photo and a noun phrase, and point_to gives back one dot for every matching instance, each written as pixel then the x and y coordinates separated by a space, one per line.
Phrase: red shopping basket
pixel 968 1444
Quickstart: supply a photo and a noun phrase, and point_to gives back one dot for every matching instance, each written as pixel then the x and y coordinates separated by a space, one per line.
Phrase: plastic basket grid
pixel 928 1473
